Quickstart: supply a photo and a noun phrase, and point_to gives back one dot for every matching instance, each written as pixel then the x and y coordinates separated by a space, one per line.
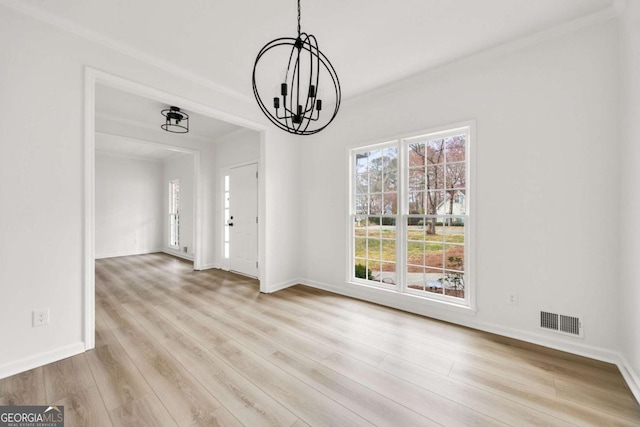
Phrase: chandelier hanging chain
pixel 298 18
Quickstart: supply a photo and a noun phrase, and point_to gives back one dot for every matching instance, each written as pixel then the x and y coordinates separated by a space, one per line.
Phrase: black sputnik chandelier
pixel 298 96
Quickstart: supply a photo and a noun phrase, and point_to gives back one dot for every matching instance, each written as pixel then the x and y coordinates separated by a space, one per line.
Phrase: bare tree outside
pixel 437 174
pixel 376 202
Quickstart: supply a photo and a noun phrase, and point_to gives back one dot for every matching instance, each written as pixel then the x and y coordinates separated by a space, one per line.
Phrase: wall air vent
pixel 568 325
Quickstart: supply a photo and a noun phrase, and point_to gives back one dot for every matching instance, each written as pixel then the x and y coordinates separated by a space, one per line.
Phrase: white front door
pixel 243 219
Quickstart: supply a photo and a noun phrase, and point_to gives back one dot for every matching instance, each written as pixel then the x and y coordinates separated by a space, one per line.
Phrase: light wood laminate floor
pixel 179 347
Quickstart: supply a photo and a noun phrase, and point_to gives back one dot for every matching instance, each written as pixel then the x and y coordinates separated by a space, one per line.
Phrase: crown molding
pixel 122 48
pixel 610 12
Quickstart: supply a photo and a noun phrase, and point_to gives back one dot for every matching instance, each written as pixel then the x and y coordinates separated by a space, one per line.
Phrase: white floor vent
pixel 568 325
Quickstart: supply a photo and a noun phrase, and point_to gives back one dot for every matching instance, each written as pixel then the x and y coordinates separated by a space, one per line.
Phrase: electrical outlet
pixel 41 317
pixel 512 298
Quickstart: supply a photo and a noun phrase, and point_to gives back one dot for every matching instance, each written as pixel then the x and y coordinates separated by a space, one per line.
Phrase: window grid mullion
pixel 401 221
pixel 444 166
pixel 444 254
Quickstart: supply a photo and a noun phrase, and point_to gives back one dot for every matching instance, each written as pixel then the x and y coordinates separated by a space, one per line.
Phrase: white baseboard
pixel 463 317
pixel 577 348
pixel 630 376
pixel 284 285
pixel 128 253
pixel 188 257
pixel 209 267
pixel 412 304
pixel 41 359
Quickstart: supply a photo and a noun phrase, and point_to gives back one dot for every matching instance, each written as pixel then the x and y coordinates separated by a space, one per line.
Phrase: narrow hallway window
pixel 174 214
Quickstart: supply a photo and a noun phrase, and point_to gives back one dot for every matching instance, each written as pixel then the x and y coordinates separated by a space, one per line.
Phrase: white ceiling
pixel 370 42
pixel 125 110
pixel 144 112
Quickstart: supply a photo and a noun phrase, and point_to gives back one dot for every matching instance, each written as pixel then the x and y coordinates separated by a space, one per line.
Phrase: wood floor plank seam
pixel 379 396
pixel 111 412
pixel 303 290
pixel 478 414
pixel 230 367
pixel 584 413
pixel 417 345
pixel 305 357
pixel 245 348
pixel 499 347
pixel 356 338
pixel 515 402
pixel 166 366
pixel 101 393
pixel 176 346
pixel 399 402
pixel 152 391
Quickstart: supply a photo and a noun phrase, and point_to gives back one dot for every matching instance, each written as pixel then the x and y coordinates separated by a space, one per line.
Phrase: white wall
pixel 282 179
pixel 237 148
pixel 129 205
pixel 547 120
pixel 180 168
pixel 43 148
pixel 629 296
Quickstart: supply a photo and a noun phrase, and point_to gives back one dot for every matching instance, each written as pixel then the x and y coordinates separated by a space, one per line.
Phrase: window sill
pixel 405 301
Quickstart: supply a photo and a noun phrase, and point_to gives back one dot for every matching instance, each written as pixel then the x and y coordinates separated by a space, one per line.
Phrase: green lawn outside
pixel 414 233
pixel 422 250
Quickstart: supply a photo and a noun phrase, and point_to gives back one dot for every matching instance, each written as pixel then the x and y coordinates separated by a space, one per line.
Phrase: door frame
pixel 224 263
pixel 92 78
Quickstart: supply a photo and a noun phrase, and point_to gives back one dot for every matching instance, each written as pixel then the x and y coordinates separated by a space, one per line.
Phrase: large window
pixel 174 214
pixel 410 226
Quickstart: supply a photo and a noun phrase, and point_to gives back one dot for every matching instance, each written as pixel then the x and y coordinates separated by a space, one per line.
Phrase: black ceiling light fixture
pixel 308 85
pixel 176 121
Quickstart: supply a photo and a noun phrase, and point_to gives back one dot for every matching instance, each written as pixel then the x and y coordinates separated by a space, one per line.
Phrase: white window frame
pixel 402 142
pixel 174 212
pixel 352 215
